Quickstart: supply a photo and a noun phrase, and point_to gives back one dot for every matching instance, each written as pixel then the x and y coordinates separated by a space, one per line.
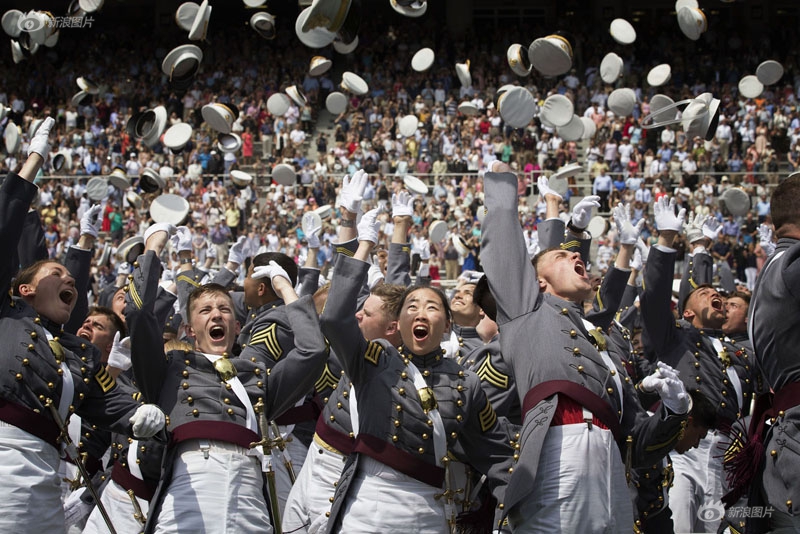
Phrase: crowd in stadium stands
pixel 755 144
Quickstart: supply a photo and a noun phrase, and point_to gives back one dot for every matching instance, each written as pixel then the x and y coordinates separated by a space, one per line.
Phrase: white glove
pixel 369 226
pixel 636 261
pixel 712 228
pixel 628 233
pixel 544 188
pixel 533 245
pixel 120 355
pixel 182 239
pixel 160 227
pixel 147 421
pixel 270 271
pixel 643 250
pixel 582 212
pixel 41 139
pixel 664 211
pixel 124 268
pixel 352 191
pixel 402 204
pixel 374 275
pixel 312 237
pixel 670 388
pixel 765 239
pixel 211 251
pixel 90 222
pixel 424 249
pixel 236 253
pixel 694 228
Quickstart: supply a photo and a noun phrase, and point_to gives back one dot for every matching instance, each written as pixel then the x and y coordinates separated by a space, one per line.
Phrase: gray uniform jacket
pixel 681 345
pixel 774 322
pixel 395 417
pixel 698 271
pixel 497 379
pixel 544 339
pixel 31 372
pixel 187 387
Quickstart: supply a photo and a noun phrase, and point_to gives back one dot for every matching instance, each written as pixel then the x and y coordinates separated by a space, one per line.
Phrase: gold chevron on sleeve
pixel 488 373
pixel 345 251
pixel 268 336
pixel 487 417
pixel 137 300
pixel 373 352
pixel 187 279
pixel 105 380
pixel 326 380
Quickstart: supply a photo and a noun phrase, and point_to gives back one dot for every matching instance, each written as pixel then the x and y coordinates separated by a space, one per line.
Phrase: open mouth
pixel 420 332
pixel 716 304
pixel 84 334
pixel 67 296
pixel 217 333
pixel 580 268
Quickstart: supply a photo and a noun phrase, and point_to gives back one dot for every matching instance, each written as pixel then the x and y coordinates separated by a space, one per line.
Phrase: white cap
pixel 336 103
pixel 557 110
pixel 573 130
pixel 312 37
pixel 750 87
pixel 177 135
pixel 622 101
pixel 219 116
pixel 97 188
pixel 589 128
pixel 462 71
pixel 296 95
pixel 264 24
pixel 10 22
pixel 692 22
pixel 611 68
pixel 551 55
pixel 119 179
pixel 319 65
pixel 622 31
pixel 354 83
pixel 150 181
pixel 415 185
pixel 518 60
pixel 278 104
pixel 769 72
pixel 284 174
pixel 414 9
pixel 517 106
pixel 423 59
pixel 659 75
pixel 199 28
pixel 185 15
pixel 169 208
pixel 408 125
pixel 241 178
pixel 229 143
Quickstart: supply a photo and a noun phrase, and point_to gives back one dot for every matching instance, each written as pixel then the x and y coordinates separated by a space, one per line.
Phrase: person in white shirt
pixel 724 136
pixel 643 194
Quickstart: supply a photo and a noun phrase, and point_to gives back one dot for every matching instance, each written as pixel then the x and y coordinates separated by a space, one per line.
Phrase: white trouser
pixel 310 497
pixel 30 491
pixel 387 501
pixel 221 493
pixel 120 510
pixel 697 486
pixel 283 484
pixel 580 485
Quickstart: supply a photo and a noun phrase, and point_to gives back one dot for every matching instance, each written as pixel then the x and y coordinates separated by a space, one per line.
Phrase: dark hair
pixel 109 314
pixel 392 296
pixel 412 289
pixel 208 289
pixel 785 203
pixel 27 274
pixel 703 411
pixel 692 292
pixel 281 259
pixel 742 295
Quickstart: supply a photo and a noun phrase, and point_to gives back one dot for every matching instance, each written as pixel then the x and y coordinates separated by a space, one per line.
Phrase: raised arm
pixel 398 266
pixel 511 277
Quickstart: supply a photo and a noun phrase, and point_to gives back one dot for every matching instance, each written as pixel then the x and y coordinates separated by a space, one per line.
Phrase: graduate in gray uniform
pixel 697 348
pixel 415 406
pixel 213 480
pixel 44 367
pixel 575 398
pixel 774 323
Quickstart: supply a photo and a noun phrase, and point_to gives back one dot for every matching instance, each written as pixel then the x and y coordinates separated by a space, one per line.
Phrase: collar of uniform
pixel 560 304
pixel 268 306
pixel 424 360
pixel 711 332
pixel 51 326
pixel 465 331
pixel 739 336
